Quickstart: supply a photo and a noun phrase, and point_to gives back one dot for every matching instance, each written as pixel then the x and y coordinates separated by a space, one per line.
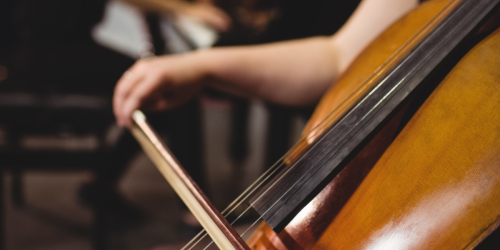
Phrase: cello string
pixel 316 129
pixel 242 198
pixel 280 164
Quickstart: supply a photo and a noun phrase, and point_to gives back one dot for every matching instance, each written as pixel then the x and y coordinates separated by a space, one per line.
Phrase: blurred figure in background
pixel 48 48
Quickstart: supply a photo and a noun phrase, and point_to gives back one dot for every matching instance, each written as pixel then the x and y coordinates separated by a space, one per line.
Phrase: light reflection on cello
pixel 436 185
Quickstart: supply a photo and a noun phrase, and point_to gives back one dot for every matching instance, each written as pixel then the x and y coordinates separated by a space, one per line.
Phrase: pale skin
pixel 294 73
pixel 201 10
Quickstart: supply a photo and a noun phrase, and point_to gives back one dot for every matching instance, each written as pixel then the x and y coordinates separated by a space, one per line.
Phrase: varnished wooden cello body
pixel 404 175
pixel 437 184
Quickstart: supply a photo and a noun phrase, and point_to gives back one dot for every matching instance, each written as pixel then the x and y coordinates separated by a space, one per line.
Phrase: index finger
pixel 141 91
pixel 122 90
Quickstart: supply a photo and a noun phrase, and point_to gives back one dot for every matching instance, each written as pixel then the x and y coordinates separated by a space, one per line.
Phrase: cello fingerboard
pixel 280 200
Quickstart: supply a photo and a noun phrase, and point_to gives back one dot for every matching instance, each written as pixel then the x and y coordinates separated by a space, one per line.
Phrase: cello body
pixel 429 182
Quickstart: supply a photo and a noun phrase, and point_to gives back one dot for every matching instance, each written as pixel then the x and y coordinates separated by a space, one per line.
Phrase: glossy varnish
pixel 438 184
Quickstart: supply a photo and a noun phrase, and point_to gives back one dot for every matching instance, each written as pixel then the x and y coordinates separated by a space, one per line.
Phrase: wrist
pixel 204 61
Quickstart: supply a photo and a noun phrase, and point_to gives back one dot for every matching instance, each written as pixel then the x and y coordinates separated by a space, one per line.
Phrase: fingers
pixel 157 103
pixel 159 83
pixel 220 20
pixel 136 97
pixel 130 90
pixel 122 88
pixel 211 15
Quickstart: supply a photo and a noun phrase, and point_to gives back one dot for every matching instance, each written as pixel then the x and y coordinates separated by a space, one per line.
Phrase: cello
pixel 403 150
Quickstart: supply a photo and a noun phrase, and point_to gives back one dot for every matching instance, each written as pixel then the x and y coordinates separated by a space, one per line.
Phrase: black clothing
pixel 300 19
pixel 54 48
pixel 56 54
pixel 57 21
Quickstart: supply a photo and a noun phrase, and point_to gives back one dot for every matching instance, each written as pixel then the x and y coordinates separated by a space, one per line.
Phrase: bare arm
pixel 293 73
pixel 205 12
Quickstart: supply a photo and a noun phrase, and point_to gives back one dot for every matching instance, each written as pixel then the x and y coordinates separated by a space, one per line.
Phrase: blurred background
pixel 69 177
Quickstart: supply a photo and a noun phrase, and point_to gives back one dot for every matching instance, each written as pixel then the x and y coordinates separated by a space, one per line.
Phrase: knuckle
pixel 137 96
pixel 140 65
pixel 119 90
pixel 157 76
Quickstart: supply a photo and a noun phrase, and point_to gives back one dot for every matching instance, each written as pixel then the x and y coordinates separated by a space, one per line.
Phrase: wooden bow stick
pixel 214 223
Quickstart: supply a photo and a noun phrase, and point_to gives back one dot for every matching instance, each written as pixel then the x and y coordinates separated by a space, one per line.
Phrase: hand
pixel 156 84
pixel 209 14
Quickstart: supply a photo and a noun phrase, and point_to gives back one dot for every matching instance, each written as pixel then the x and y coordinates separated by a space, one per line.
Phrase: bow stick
pixel 221 232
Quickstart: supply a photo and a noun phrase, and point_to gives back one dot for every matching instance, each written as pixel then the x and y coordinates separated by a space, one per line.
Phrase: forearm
pixel 206 13
pixel 298 72
pixel 160 5
pixel 292 73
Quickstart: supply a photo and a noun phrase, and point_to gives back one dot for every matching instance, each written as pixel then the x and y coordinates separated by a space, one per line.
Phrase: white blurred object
pixel 124 30
pixel 199 34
